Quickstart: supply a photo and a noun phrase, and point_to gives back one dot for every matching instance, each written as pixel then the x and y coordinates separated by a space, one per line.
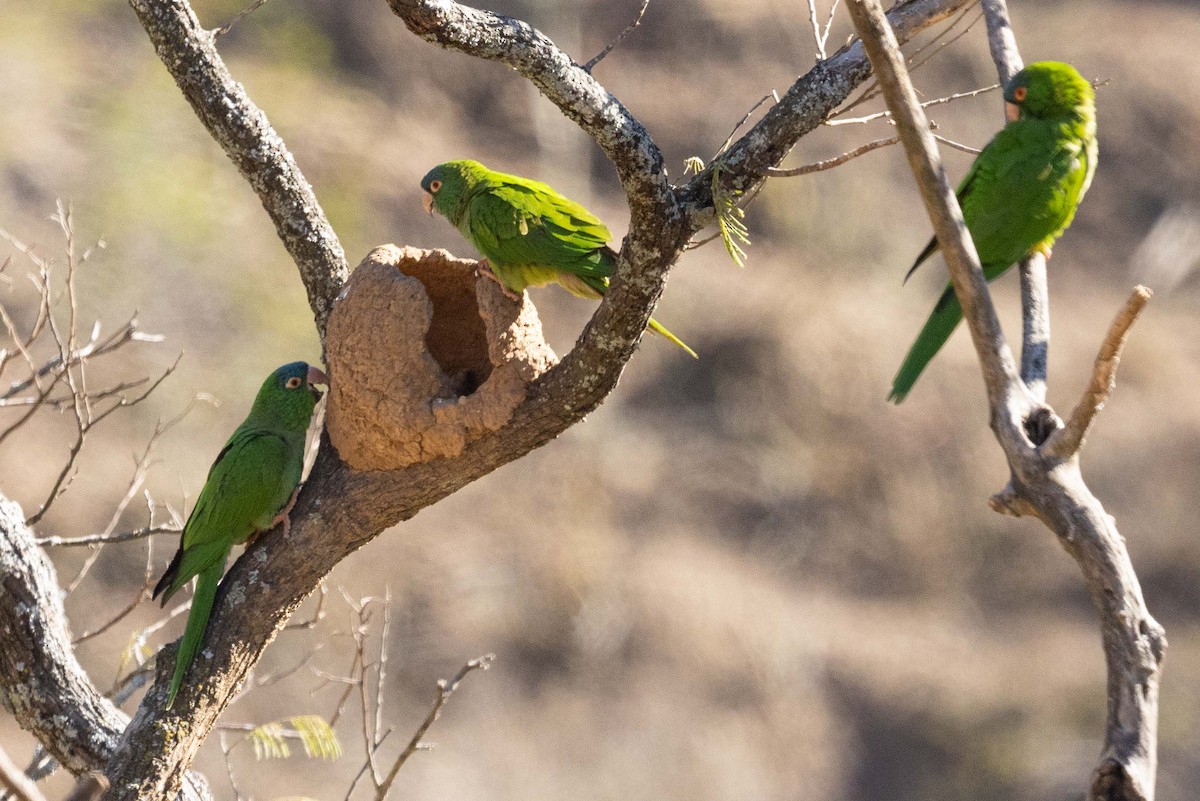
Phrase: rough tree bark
pixel 1042 452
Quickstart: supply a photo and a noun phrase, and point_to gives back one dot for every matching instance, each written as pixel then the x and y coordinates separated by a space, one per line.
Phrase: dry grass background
pixel 742 577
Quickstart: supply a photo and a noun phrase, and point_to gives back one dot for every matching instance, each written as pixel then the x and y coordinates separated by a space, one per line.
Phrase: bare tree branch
pixel 1035 293
pixel 1068 440
pixel 445 690
pixel 588 67
pixel 41 682
pixel 802 108
pixel 836 161
pixel 13 778
pixel 107 539
pixel 1046 480
pixel 340 509
pixel 241 128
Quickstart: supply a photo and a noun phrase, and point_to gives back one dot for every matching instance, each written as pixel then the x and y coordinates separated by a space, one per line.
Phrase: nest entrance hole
pixel 457 338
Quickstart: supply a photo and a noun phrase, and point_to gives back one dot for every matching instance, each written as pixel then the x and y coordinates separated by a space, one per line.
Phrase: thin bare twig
pixel 381 670
pixel 317 616
pixel 958 145
pixel 620 37
pixel 836 161
pixel 821 34
pixel 20 785
pixel 871 90
pixel 1068 441
pixel 86 422
pixel 245 12
pixel 142 594
pixel 445 690
pixel 926 104
pixel 225 749
pixel 108 539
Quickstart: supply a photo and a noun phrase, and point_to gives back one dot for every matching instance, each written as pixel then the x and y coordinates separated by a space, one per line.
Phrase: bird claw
pixel 284 515
pixel 484 269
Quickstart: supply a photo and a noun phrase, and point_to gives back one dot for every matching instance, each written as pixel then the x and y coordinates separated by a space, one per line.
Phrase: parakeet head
pixel 1049 90
pixel 287 398
pixel 447 185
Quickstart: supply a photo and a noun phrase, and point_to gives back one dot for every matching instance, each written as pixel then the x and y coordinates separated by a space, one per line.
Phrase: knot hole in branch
pixel 424 357
pixel 1040 424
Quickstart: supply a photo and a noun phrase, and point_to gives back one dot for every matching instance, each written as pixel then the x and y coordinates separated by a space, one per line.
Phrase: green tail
pixel 938 328
pixel 661 330
pixel 197 622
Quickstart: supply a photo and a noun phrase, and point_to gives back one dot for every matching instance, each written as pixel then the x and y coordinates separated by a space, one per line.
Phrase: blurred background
pixel 742 577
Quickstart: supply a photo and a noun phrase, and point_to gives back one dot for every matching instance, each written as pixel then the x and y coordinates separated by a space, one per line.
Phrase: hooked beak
pixel 1012 112
pixel 316 376
pixel 427 203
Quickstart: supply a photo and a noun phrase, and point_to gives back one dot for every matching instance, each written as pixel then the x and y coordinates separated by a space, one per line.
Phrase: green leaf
pixel 318 737
pixel 729 219
pixel 269 742
pixel 314 733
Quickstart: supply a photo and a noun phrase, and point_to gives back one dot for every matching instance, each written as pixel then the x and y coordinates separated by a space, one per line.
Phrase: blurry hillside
pixel 744 576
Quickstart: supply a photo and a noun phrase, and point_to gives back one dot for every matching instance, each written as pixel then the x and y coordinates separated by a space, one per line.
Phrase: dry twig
pixel 1068 440
pixel 445 690
pixel 20 785
pixel 620 37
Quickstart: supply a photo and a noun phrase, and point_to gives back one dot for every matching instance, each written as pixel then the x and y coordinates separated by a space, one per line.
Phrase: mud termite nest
pixel 424 357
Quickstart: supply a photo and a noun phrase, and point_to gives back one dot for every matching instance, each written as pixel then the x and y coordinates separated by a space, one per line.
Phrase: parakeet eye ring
pixel 293 382
pixel 1020 93
pixel 435 185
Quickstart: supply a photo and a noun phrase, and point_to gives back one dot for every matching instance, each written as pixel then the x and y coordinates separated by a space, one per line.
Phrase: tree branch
pixel 999 370
pixel 1067 441
pixel 445 690
pixel 340 509
pixel 16 782
pixel 1035 292
pixel 245 134
pixel 802 108
pixel 41 682
pixel 1046 480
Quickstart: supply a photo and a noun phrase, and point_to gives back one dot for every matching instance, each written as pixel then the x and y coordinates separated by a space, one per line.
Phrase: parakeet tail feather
pixel 661 330
pixel 938 328
pixel 197 622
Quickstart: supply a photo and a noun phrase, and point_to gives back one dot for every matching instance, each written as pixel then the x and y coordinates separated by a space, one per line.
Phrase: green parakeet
pixel 1022 191
pixel 529 234
pixel 250 488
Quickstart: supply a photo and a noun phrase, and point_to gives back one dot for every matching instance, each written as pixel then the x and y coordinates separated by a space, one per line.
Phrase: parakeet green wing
pixel 1021 192
pixel 249 484
pixel 529 234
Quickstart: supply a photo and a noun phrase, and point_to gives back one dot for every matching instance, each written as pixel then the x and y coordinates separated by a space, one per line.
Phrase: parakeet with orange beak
pixel 1021 193
pixel 250 488
pixel 529 234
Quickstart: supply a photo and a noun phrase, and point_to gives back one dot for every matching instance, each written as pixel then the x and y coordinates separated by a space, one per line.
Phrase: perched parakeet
pixel 250 488
pixel 529 234
pixel 1021 192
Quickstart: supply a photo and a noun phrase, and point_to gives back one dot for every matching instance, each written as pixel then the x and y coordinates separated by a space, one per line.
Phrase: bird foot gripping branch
pixel 424 357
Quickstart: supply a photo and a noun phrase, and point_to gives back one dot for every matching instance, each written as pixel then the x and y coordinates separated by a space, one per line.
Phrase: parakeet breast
pixel 518 277
pixel 1030 195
